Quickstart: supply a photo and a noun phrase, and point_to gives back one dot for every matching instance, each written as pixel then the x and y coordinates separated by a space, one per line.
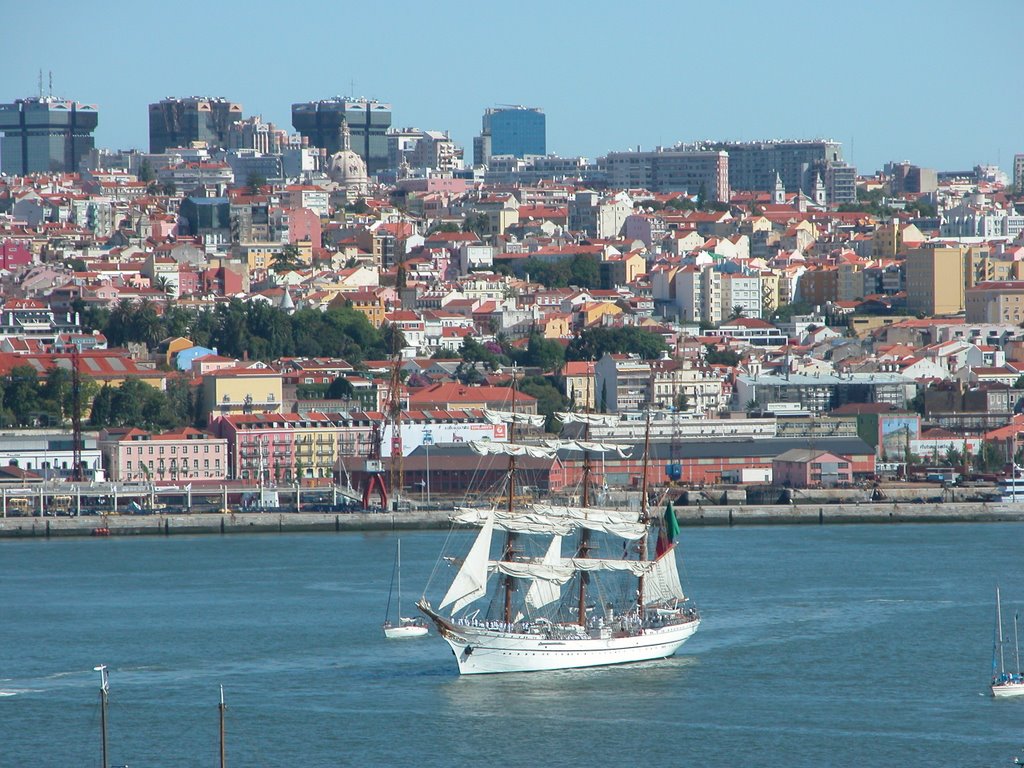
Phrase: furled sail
pixel 512 449
pixel 516 522
pixel 512 417
pixel 561 571
pixel 543 593
pixel 588 445
pixel 636 567
pixel 590 419
pixel 662 581
pixel 558 572
pixel 471 582
pixel 621 523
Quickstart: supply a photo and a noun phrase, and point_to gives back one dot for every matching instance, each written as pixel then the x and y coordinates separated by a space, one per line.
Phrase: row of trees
pixel 238 328
pixel 30 400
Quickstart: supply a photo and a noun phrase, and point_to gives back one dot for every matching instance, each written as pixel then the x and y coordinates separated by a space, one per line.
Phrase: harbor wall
pixel 290 522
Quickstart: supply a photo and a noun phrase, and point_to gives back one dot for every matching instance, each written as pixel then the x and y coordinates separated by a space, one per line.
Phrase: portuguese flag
pixel 669 531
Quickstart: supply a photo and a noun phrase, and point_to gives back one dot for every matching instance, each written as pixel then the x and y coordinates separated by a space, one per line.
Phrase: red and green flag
pixel 669 531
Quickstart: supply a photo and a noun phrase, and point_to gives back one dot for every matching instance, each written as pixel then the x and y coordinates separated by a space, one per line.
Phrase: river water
pixel 853 645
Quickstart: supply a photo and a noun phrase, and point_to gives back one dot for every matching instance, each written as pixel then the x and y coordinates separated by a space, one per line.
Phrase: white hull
pixel 481 651
pixel 404 632
pixel 1005 690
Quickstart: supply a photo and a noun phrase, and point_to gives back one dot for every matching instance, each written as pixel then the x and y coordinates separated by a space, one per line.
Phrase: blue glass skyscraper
pixel 517 131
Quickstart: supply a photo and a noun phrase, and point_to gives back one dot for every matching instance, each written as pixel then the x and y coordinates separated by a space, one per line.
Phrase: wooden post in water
pixel 104 688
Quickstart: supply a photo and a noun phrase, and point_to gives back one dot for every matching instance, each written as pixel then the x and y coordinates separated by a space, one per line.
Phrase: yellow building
pixel 232 391
pixel 590 312
pixel 936 279
pixel 997 301
pixel 578 384
pixel 370 303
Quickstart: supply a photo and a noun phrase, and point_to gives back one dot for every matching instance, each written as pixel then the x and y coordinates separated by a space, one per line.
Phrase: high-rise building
pixel 517 131
pixel 754 165
pixel 44 134
pixel 176 122
pixel 368 121
pixel 671 170
pixel 936 280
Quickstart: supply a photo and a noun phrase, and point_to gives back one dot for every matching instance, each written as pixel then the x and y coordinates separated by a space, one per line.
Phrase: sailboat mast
pixel 644 517
pixel 104 690
pixel 223 743
pixel 510 536
pixel 999 619
pixel 1016 644
pixel 398 579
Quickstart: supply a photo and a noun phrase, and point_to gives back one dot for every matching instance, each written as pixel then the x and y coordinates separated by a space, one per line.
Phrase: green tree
pixel 254 182
pixel 549 399
pixel 713 356
pixel 584 271
pixel 145 174
pixel 478 223
pixel 341 389
pixel 287 259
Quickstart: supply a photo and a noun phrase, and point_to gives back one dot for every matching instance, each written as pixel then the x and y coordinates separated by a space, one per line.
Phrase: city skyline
pixel 441 68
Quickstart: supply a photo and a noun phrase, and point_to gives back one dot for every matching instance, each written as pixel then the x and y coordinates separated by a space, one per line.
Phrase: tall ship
pixel 547 587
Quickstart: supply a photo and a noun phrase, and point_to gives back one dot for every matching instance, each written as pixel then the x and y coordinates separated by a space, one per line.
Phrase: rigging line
pixel 438 561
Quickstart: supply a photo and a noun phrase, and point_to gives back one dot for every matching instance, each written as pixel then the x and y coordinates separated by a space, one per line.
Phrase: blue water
pixel 835 645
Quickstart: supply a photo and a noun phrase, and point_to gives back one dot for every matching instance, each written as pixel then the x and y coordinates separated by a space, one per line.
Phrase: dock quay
pixel 161 524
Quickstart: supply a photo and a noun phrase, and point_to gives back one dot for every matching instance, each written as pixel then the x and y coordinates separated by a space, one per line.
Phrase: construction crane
pixel 393 412
pixel 76 417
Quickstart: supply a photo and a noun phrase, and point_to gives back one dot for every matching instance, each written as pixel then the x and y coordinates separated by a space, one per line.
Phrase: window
pixel 206 464
pixel 151 453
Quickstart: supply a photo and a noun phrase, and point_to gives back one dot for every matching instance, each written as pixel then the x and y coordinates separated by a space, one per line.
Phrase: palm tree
pixel 737 312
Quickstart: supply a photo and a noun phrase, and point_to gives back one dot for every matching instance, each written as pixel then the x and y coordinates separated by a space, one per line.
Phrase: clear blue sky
pixel 936 82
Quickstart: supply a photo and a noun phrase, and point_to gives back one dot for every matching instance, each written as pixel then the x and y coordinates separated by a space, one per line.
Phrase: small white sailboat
pixel 406 627
pixel 1005 683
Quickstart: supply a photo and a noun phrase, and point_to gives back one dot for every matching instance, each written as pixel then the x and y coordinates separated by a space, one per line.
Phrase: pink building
pixel 808 468
pixel 304 224
pixel 181 455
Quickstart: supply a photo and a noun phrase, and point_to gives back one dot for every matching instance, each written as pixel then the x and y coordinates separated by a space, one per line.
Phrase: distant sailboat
pixel 1005 683
pixel 406 627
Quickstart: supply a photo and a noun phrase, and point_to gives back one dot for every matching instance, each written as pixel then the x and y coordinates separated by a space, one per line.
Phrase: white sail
pixel 543 593
pixel 662 581
pixel 525 522
pixel 471 581
pixel 616 522
pixel 513 417
pixel 512 449
pixel 590 419
pixel 587 445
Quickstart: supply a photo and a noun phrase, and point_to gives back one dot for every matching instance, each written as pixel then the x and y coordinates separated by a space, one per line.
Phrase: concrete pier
pixel 290 522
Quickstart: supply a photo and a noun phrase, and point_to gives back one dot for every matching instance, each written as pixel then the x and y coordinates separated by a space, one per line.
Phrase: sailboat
pixel 406 627
pixel 1005 683
pixel 604 601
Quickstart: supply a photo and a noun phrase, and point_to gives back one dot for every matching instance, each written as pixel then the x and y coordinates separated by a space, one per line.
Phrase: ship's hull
pixel 483 651
pixel 404 632
pixel 1006 689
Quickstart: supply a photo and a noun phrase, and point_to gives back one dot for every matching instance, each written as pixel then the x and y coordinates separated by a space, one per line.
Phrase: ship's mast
pixel 584 546
pixel 510 537
pixel 104 690
pixel 644 516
